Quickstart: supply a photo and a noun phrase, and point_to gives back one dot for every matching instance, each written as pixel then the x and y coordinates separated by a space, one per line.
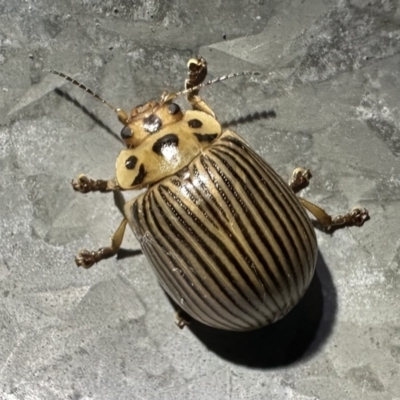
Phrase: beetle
pixel 230 241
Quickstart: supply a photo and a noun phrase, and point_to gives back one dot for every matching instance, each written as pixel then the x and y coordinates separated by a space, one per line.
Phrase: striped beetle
pixel 229 240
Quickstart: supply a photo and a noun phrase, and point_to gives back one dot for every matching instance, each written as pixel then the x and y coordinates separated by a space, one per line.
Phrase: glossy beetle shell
pixel 227 237
pixel 229 240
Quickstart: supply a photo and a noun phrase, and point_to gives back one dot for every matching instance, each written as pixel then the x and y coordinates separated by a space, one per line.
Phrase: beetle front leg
pixel 356 217
pixel 197 73
pixel 86 185
pixel 86 258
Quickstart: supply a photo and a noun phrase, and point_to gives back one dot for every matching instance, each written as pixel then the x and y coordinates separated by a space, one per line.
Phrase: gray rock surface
pixel 330 71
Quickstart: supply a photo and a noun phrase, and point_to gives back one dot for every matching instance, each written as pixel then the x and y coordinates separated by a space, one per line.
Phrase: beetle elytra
pixel 230 241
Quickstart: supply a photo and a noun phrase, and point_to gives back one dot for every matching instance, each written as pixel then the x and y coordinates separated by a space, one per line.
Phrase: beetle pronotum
pixel 229 240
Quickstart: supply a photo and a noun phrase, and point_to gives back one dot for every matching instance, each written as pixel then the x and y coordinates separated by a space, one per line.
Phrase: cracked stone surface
pixel 330 71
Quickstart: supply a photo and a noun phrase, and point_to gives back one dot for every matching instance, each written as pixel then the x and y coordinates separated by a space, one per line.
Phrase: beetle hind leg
pixel 87 259
pixel 356 217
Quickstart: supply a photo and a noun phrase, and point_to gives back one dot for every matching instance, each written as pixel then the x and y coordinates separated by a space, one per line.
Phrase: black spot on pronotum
pixel 170 139
pixel 126 132
pixel 173 108
pixel 140 176
pixel 130 162
pixel 206 137
pixel 195 123
pixel 152 123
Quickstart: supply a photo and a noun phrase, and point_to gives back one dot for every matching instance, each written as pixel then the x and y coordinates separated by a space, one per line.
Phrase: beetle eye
pixel 126 132
pixel 173 108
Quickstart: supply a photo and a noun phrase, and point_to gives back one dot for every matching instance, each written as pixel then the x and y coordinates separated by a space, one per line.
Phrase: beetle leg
pixel 86 258
pixel 86 185
pixel 356 217
pixel 182 319
pixel 300 179
pixel 197 73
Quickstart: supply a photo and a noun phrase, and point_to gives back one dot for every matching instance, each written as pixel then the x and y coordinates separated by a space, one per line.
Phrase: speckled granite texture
pixel 330 71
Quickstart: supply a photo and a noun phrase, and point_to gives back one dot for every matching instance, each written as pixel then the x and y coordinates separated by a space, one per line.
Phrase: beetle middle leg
pixel 356 217
pixel 86 258
pixel 85 185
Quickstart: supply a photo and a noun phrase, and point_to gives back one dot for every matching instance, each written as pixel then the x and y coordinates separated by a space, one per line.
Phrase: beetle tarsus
pixel 356 217
pixel 87 259
pixel 182 319
pixel 86 185
pixel 197 72
pixel 300 179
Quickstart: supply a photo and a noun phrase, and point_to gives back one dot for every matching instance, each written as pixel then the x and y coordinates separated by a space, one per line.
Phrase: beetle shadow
pixel 92 116
pixel 297 336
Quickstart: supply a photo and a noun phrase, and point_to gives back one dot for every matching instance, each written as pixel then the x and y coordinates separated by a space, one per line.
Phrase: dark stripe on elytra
pixel 212 214
pixel 287 191
pixel 289 228
pixel 295 217
pixel 230 301
pixel 243 229
pixel 171 236
pixel 194 220
pixel 298 218
pixel 216 207
pixel 170 139
pixel 183 283
pixel 177 284
pixel 195 200
pixel 216 258
pixel 209 301
pixel 268 223
pixel 252 220
pixel 206 137
pixel 296 210
pixel 140 176
pixel 201 306
pixel 177 288
pixel 152 123
pixel 289 231
pixel 209 195
pixel 243 226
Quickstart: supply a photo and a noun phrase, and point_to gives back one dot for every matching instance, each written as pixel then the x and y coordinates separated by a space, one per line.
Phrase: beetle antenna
pixel 121 114
pixel 216 80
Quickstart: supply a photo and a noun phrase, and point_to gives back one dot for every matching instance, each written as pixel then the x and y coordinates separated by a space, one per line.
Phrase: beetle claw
pixel 85 259
pixel 359 216
pixel 82 185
